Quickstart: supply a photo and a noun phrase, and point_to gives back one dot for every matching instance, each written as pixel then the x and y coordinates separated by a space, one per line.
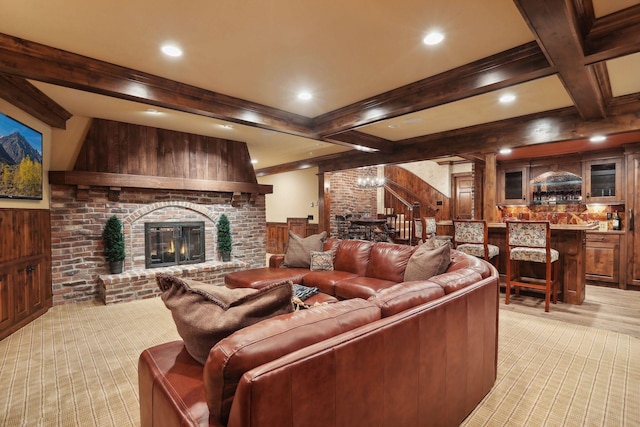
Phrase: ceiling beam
pixel 541 128
pixel 613 36
pixel 35 61
pixel 30 99
pixel 361 141
pixel 514 66
pixel 559 32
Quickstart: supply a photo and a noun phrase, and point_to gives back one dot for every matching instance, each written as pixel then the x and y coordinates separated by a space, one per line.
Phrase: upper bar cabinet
pixel 603 180
pixel 513 186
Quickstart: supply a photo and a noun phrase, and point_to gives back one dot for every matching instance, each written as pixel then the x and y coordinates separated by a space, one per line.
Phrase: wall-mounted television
pixel 20 160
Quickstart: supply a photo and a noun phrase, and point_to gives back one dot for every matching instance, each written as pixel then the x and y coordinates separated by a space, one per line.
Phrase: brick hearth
pixel 139 284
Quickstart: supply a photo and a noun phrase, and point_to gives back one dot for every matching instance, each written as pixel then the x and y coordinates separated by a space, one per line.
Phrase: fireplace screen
pixel 173 243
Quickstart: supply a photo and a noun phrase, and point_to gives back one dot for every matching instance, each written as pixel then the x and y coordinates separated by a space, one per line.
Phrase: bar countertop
pixel 589 226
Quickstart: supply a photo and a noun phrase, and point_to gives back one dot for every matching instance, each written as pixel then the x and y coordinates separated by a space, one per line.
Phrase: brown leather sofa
pixel 388 353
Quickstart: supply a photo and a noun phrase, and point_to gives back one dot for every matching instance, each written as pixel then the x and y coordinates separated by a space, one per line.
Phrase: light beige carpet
pixel 77 366
pixel 553 373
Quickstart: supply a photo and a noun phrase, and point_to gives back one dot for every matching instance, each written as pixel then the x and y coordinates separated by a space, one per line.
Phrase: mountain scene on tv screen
pixel 20 167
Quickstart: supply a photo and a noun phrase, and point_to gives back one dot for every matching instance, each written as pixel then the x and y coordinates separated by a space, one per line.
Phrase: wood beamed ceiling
pixel 569 42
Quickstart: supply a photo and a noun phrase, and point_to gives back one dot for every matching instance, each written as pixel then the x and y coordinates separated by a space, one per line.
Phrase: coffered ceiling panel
pixel 606 7
pixel 531 97
pixel 622 81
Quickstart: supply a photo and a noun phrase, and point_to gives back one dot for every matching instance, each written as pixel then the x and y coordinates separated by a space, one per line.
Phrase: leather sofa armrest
pixel 276 260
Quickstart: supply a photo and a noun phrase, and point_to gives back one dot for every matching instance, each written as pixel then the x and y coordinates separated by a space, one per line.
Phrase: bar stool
pixel 471 237
pixel 531 241
pixel 430 226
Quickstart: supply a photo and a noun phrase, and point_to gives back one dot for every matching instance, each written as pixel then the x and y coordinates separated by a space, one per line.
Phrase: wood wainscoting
pixel 25 267
pixel 278 233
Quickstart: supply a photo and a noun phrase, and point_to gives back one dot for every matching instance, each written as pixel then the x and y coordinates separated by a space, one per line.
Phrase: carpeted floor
pixel 77 366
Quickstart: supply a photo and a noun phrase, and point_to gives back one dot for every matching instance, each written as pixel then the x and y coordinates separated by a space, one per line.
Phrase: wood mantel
pixel 83 179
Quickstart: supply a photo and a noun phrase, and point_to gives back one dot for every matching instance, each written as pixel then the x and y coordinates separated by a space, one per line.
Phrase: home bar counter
pixel 568 239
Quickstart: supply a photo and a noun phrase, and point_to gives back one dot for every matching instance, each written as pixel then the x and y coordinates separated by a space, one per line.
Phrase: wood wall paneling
pixel 25 267
pixel 278 233
pixel 115 147
pixel 418 190
pixel 632 224
pixel 115 151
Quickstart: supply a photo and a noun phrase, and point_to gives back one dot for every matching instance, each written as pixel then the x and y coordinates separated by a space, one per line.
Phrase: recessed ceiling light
pixel 433 38
pixel 153 111
pixel 505 151
pixel 227 126
pixel 393 126
pixel 254 161
pixel 598 138
pixel 171 50
pixel 508 97
pixel 305 96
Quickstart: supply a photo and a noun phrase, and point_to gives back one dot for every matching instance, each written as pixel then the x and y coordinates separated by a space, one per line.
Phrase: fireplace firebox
pixel 173 243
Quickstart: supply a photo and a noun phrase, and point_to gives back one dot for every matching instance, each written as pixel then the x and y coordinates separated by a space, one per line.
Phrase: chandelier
pixel 369 179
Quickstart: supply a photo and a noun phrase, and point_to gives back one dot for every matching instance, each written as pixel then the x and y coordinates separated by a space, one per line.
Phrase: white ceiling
pixel 266 51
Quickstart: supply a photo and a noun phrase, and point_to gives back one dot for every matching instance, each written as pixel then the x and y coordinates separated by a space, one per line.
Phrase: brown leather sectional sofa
pixel 387 353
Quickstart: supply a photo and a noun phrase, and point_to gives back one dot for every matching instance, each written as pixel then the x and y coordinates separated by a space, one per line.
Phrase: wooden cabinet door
pixel 6 301
pixel 25 267
pixel 602 180
pixel 631 225
pixel 602 258
pixel 37 295
pixel 514 186
pixel 21 293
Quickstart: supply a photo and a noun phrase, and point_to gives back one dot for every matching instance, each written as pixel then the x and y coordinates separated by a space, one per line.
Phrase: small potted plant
pixel 224 238
pixel 114 244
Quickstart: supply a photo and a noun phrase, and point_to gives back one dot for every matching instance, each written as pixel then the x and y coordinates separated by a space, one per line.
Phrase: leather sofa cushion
pixel 353 256
pixel 406 295
pixel 360 287
pixel 451 281
pixel 260 277
pixel 272 339
pixel 388 261
pixel 326 281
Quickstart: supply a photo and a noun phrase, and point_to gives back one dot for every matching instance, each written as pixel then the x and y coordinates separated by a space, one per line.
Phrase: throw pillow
pixel 204 314
pixel 299 249
pixel 321 261
pixel 427 261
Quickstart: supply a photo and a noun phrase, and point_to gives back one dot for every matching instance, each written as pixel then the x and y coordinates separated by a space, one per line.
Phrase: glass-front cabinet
pixel 514 185
pixel 603 181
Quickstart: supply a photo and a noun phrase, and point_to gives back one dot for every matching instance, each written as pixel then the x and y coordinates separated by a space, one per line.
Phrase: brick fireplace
pixel 80 272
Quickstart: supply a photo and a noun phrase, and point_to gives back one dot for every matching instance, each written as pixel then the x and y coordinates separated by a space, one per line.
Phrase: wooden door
pixel 462 196
pixel 631 224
